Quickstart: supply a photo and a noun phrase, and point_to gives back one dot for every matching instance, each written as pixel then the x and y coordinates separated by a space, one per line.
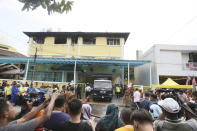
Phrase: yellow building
pixel 99 45
pixel 7 48
pixel 76 57
pixel 102 47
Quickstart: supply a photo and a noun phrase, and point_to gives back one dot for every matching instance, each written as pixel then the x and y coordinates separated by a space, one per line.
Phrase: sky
pixel 148 21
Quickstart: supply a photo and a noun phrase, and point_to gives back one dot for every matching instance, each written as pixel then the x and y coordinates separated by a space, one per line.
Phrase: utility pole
pixel 34 65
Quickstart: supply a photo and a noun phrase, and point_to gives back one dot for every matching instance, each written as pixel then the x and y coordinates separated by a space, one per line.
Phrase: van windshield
pixel 102 84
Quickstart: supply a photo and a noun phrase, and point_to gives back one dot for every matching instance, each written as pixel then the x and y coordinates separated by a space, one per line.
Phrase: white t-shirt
pixel 88 89
pixel 136 96
pixel 87 109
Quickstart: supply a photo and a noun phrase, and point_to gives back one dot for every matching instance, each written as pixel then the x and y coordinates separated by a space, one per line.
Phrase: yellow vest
pixel 22 89
pixel 117 89
pixel 8 90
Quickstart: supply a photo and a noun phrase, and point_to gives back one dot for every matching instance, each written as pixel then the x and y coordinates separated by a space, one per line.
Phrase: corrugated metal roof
pixel 44 60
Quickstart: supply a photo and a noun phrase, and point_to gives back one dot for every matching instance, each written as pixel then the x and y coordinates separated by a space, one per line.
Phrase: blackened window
pixel 112 41
pixel 74 40
pixel 193 57
pixel 38 40
pixel 89 41
pixel 60 40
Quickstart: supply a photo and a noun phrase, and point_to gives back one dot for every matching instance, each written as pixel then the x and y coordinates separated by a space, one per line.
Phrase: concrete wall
pixel 167 60
pixel 173 63
pixel 185 57
pixel 142 73
pixel 169 63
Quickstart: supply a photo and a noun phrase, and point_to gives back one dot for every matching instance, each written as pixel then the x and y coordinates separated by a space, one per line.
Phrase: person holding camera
pixel 169 120
pixel 7 113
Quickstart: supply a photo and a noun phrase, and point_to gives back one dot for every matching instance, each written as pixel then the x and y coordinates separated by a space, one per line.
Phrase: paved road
pixel 98 107
pixel 100 110
pixel 119 102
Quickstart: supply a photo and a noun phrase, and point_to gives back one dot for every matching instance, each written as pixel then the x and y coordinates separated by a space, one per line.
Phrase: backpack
pixel 171 126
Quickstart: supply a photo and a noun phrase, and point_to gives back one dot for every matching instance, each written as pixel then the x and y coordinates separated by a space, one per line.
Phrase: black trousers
pixel 78 95
pixel 87 94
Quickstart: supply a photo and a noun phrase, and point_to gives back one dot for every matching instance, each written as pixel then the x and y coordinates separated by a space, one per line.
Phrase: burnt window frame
pixel 74 40
pixel 92 40
pixel 38 40
pixel 64 39
pixel 193 57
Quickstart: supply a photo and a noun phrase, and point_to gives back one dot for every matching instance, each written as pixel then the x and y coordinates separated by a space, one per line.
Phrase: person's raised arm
pixel 48 112
pixel 27 123
pixel 32 113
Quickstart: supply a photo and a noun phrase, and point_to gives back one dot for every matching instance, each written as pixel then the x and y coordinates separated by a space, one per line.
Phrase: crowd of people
pixel 16 92
pixel 171 110
pixel 161 110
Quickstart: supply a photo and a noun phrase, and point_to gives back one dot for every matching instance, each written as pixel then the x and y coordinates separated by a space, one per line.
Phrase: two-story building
pixel 175 61
pixel 77 57
pixel 99 45
pixel 103 52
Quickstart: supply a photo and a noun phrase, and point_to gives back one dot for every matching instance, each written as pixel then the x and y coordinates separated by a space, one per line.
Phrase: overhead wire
pixel 184 26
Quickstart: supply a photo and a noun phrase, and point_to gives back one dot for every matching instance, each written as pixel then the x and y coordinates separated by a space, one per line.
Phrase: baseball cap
pixel 170 105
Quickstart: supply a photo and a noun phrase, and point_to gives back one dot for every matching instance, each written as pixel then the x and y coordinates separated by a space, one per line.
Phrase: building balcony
pixel 76 51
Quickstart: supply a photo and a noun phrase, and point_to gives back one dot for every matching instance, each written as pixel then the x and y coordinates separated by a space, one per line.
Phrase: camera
pixel 35 98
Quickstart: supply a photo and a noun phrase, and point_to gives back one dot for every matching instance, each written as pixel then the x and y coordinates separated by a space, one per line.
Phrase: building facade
pixel 7 48
pixel 77 44
pixel 175 61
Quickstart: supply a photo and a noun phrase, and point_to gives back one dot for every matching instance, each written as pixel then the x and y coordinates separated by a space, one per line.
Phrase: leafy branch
pixel 59 6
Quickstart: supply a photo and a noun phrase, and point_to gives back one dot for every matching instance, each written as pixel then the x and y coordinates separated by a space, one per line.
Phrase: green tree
pixel 59 6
